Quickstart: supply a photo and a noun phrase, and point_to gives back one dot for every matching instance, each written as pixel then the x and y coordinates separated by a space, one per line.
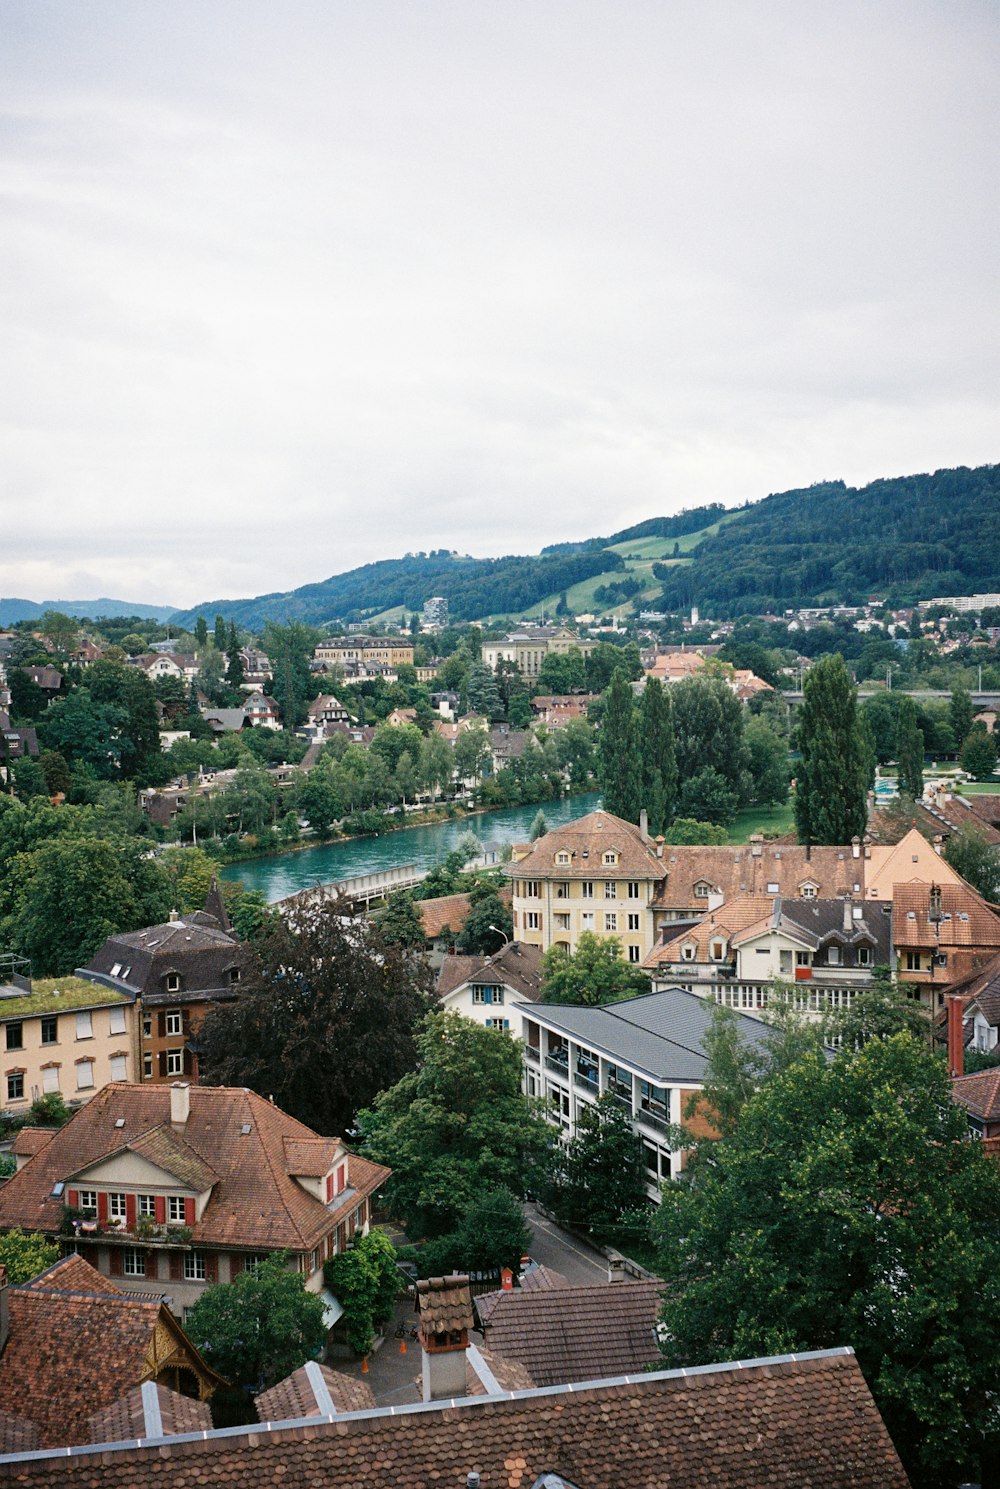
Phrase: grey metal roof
pixel 660 1034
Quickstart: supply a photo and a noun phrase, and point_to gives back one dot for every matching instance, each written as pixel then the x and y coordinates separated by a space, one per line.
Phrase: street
pixel 550 1246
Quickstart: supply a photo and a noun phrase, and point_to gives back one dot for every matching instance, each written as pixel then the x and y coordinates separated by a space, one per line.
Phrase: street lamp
pixel 506 938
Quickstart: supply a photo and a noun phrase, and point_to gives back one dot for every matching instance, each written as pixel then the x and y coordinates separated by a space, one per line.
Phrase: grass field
pixel 773 821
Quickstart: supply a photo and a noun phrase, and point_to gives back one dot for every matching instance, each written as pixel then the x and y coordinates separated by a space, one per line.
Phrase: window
pixel 864 956
pixel 173 1022
pixel 611 921
pixel 587 920
pixel 194 1266
pixel 147 1066
pixel 50 1030
pixel 117 1018
pixel 175 1209
pixel 175 1062
pixel 587 889
pixel 634 889
pixel 15 1085
pixel 562 922
pixel 234 974
pixel 84 1025
pixel 633 953
pixel 134 1262
pixel 688 950
pixel 50 1078
pixel 610 858
pixel 633 922
pixel 487 994
pixel 116 1206
pixel 84 1075
pixel 15 1036
pixel 531 920
pixel 702 890
pixel 808 891
pixel 146 1205
pixel 562 858
pixel 88 1200
pixel 532 889
pixel 147 1026
pixel 500 1025
pixel 254 1259
pixel 172 982
pixel 610 889
pixel 833 956
pixel 119 1071
pixel 913 961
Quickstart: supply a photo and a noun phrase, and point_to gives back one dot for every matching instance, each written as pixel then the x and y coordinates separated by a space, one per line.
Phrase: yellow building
pixel 597 874
pixel 528 646
pixel 387 651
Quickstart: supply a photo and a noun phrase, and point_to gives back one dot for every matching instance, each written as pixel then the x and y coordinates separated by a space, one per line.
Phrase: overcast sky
pixel 288 286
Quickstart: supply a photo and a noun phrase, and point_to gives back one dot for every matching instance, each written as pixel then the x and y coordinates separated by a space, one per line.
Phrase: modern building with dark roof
pixel 752 1424
pixel 647 1052
pixel 187 1186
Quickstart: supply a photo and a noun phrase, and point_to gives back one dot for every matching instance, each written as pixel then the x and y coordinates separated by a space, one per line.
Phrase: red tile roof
pixel 752 1425
pixel 295 1396
pixel 576 1333
pixel 517 966
pixel 126 1420
pixel 979 1094
pixel 586 841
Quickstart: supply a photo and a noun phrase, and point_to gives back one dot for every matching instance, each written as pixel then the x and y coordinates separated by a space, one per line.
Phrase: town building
pixel 528 647
pixel 647 1052
pixel 599 873
pixel 979 1097
pixel 46 677
pixel 326 709
pixel 188 1186
pixel 485 988
pixel 388 651
pixel 165 664
pixel 556 710
pixel 435 613
pixel 942 933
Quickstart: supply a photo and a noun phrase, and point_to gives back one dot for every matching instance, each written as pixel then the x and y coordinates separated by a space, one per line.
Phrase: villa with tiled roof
pixel 187 1186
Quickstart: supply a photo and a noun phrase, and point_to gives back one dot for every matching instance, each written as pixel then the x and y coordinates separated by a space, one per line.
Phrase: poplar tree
pixel 830 804
pixel 658 755
pixel 620 774
pixel 909 750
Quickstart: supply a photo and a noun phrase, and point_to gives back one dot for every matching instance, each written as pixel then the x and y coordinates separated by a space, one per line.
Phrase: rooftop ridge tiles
pixel 293 1424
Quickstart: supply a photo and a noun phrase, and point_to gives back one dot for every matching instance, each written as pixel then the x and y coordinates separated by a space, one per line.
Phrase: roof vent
pixel 120 1122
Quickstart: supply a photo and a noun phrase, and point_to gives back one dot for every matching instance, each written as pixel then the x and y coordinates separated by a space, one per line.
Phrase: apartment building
pixel 387 651
pixel 528 647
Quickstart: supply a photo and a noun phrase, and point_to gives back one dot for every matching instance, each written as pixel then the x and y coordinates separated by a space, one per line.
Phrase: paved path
pixel 579 1263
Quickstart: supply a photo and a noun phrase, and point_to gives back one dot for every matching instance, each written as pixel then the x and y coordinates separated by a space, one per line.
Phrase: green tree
pixel 539 827
pixel 472 750
pixel 61 631
pixel 658 755
pixel 487 925
pixel 599 1178
pixel 252 798
pixel 909 750
pixel 708 797
pixel 961 712
pixel 235 670
pixel 201 632
pixel 878 1011
pixel 618 760
pixel 325 1021
pixel 398 922
pixel 457 1124
pixel 220 635
pixel 49 1110
pixel 979 755
pixel 690 830
pixel 405 778
pixel 708 729
pixel 86 732
pixel 978 862
pixel 365 1281
pixel 435 764
pixel 766 762
pixel 129 689
pixel 493 1232
pixel 261 1326
pixel 25 1254
pixel 290 650
pixel 847 1207
pixel 483 693
pixel 830 796
pixel 595 973
pixel 57 774
pixel 27 701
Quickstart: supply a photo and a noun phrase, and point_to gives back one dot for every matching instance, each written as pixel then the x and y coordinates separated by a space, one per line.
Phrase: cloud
pixel 287 289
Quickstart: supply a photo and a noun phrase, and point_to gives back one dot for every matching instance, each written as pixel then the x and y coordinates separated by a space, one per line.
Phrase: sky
pixel 289 287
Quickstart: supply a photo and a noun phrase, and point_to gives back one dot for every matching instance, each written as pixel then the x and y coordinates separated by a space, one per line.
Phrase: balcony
pixel 559 1065
pixel 532 1054
pixel 646 1118
pixel 621 1094
pixel 586 1082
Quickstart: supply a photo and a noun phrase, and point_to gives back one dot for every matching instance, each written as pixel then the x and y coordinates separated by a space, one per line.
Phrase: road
pixel 577 1262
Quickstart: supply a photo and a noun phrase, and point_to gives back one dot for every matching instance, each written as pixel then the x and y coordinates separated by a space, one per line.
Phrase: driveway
pixel 579 1263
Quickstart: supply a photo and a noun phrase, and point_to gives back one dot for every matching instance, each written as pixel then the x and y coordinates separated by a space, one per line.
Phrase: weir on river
pixel 282 874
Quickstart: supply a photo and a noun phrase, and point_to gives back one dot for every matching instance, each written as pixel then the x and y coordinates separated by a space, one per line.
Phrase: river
pixel 282 874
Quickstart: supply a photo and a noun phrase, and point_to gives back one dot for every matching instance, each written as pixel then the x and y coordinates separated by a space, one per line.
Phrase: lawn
pixel 979 788
pixel 771 821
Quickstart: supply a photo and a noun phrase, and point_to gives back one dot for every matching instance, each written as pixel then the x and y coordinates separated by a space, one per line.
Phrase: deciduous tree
pixel 658 755
pixel 261 1326
pixel 595 973
pixel 909 750
pixel 599 1178
pixel 618 755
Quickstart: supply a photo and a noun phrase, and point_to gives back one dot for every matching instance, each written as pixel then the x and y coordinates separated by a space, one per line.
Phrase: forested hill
pixel 908 538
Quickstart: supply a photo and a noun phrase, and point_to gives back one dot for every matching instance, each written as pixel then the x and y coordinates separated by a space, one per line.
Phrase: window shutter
pixel 189 1212
pixel 73 1198
pixel 130 1210
pixel 186 1020
pixel 152 1264
pixel 235 1264
pixel 176 1266
pixel 161 1024
pixel 160 1204
pixel 211 1267
pixel 102 1207
pixel 163 1062
pixel 186 1061
pixel 116 1262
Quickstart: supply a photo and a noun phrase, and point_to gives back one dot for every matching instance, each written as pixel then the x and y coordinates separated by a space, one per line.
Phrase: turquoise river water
pixel 282 874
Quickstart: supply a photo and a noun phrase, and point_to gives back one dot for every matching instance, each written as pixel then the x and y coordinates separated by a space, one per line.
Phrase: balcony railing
pixel 753 997
pixel 652 1119
pixel 620 1094
pixel 561 1067
pixel 532 1054
pixel 586 1083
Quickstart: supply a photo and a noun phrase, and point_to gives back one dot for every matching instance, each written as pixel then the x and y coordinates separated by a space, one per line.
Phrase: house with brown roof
pixel 698 879
pixel 979 1095
pixel 189 1185
pixel 73 1346
pixel 483 988
pixel 313 1390
pixel 942 933
pixel 176 973
pixel 443 919
pixel 599 874
pixel 750 1424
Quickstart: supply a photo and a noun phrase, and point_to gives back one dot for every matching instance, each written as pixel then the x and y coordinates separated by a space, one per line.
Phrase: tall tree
pixel 830 805
pixel 324 1022
pixel 979 754
pixel 599 1180
pixel 130 689
pixel 220 635
pixel 910 750
pixel 235 670
pixel 595 973
pixel 708 729
pixel 618 752
pixel 201 632
pixel 261 1326
pixel 658 755
pixel 482 692
pixel 970 855
pixel 961 712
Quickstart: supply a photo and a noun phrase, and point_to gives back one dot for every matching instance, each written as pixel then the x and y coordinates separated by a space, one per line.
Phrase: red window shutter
pixel 102 1207
pixel 329 1188
pixel 116 1262
pixel 186 1021
pixel 211 1267
pixel 186 1061
pixel 73 1198
pixel 189 1212
pixel 130 1210
pixel 176 1266
pixel 235 1264
pixel 160 1204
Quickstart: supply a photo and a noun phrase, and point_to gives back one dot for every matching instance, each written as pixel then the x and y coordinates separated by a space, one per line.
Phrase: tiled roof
pixel 72 1274
pixel 312 1157
pixel 444 1303
pixel 539 1276
pixel 30 1140
pixel 754 869
pixel 17 1434
pixel 745 910
pixel 517 966
pixel 127 1419
pixel 586 841
pixel 911 860
pixel 255 1202
pixel 297 1395
pixel 767 1424
pixel 164 1148
pixel 965 918
pixel 203 954
pixel 979 1094
pixel 576 1333
pixel 447 912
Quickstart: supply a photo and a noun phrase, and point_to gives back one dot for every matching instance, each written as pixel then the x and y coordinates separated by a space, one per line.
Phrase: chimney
pixel 868 845
pixel 938 843
pixel 756 844
pixel 444 1305
pixel 174 917
pixel 616 1266
pixel 856 846
pixel 644 825
pixel 180 1103
pixel 4 1310
pixel 847 915
pixel 956 1036
pixel 659 847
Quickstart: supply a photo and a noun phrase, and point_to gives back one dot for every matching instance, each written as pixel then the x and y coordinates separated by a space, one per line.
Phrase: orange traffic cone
pixel 402 1346
pixel 364 1365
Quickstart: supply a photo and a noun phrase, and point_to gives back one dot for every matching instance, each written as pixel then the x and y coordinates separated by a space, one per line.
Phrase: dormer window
pixel 562 858
pixel 808 890
pixel 717 951
pixel 172 982
pixel 864 956
pixel 234 974
pixel 702 890
pixel 688 951
pixel 610 858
